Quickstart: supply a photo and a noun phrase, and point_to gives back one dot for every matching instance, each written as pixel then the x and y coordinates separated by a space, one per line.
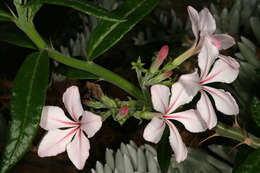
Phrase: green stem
pixel 237 134
pixel 88 66
pixel 91 67
pixel 180 59
pixel 29 29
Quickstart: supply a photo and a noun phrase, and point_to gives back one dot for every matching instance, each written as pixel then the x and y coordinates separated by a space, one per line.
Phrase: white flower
pixel 190 118
pixel 65 134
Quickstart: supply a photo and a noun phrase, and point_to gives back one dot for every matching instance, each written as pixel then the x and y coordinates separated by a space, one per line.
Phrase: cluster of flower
pixel 65 134
pixel 213 68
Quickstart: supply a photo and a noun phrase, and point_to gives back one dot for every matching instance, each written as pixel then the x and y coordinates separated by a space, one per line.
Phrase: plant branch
pixel 179 60
pixel 91 67
pixel 88 66
pixel 236 134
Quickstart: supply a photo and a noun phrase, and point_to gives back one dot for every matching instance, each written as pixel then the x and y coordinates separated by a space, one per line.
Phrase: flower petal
pixel 207 56
pixel 226 41
pixel 191 119
pixel 160 97
pixel 179 97
pixel 72 102
pixel 78 150
pixel 154 130
pixel 190 82
pixel 53 117
pixel 176 143
pixel 206 110
pixel 55 142
pixel 90 123
pixel 224 102
pixel 224 70
pixel 207 22
pixel 194 18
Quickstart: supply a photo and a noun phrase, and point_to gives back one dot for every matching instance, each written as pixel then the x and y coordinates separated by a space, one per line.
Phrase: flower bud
pixel 123 112
pixel 163 53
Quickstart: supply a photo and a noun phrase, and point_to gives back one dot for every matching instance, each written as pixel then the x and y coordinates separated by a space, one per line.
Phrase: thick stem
pixel 91 67
pixel 237 134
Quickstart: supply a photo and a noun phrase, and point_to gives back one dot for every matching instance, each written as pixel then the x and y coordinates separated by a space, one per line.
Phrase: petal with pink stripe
pixel 194 18
pixel 224 101
pixel 90 123
pixel 78 149
pixel 72 102
pixel 207 22
pixel 154 130
pixel 206 110
pixel 53 117
pixel 224 70
pixel 160 97
pixel 179 148
pixel 55 142
pixel 226 41
pixel 191 119
pixel 190 82
pixel 179 97
pixel 207 56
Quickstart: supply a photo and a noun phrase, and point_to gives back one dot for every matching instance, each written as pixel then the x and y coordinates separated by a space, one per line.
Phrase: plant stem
pixel 237 134
pixel 91 67
pixel 88 66
pixel 29 29
pixel 180 59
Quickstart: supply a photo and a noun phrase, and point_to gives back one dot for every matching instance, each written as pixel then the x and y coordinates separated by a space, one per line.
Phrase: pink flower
pixel 224 70
pixel 203 27
pixel 161 103
pixel 65 134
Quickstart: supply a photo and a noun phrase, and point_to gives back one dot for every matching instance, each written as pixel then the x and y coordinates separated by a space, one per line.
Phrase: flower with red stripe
pixel 166 103
pixel 65 134
pixel 225 70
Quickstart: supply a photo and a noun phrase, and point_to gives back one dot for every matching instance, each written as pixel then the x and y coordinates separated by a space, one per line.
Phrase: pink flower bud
pixel 123 111
pixel 163 53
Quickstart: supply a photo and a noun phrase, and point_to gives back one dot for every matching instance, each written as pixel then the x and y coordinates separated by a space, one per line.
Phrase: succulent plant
pixel 242 19
pixel 132 159
pixel 168 25
pixel 235 21
pixel 248 66
pixel 77 47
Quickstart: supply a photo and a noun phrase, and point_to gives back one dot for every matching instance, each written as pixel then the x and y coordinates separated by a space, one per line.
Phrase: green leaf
pixel 251 164
pixel 27 10
pixel 86 7
pixel 241 155
pixel 255 110
pixel 107 34
pixel 4 16
pixel 28 98
pixel 75 73
pixel 164 151
pixel 17 38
